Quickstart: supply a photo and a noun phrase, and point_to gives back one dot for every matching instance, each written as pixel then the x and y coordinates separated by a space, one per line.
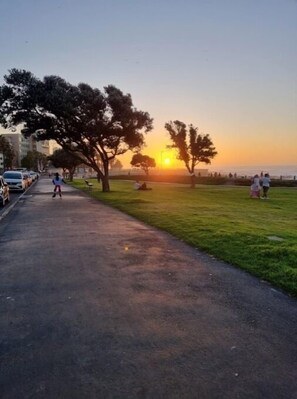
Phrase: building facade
pixel 22 146
pixel 1 161
pixel 41 146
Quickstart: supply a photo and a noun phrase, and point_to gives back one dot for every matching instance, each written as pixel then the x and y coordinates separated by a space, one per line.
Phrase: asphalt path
pixel 95 304
pixel 14 196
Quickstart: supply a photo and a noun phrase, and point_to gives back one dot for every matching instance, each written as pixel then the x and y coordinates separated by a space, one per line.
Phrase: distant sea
pixel 275 171
pixel 286 171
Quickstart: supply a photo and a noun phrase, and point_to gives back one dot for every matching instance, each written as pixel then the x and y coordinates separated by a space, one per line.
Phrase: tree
pixel 192 148
pixel 143 162
pixel 116 164
pixel 65 160
pixel 7 151
pixel 34 160
pixel 81 119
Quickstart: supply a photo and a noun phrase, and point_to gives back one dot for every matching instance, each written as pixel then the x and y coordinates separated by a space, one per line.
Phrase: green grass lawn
pixel 220 220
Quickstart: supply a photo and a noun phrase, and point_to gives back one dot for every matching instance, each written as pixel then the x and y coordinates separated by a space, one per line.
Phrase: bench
pixel 90 185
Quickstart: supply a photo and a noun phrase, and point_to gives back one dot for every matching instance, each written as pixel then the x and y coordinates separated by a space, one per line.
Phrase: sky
pixel 229 67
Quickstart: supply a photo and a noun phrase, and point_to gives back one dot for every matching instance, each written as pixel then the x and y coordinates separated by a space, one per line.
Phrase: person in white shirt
pixel 255 187
pixel 137 185
pixel 265 185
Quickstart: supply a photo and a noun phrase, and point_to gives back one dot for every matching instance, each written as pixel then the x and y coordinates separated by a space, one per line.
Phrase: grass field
pixel 222 221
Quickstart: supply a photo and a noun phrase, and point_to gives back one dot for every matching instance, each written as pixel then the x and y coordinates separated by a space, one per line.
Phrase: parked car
pixel 28 178
pixel 16 180
pixel 4 192
pixel 33 175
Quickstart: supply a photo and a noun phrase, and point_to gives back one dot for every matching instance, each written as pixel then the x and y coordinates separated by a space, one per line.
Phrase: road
pixel 95 304
pixel 14 197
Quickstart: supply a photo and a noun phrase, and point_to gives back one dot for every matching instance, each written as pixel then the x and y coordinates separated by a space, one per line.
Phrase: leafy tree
pixel 116 164
pixel 143 162
pixel 7 151
pixel 34 160
pixel 81 119
pixel 65 160
pixel 192 148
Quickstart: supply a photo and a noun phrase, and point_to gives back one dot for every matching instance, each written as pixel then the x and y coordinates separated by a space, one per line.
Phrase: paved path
pixel 95 304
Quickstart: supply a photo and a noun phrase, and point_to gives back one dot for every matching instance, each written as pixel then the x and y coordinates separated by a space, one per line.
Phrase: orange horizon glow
pixel 234 149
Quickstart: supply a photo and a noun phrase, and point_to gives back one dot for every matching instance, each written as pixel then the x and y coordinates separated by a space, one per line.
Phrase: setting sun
pixel 167 162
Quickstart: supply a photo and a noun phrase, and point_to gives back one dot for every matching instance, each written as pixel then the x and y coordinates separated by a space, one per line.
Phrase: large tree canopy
pixel 192 147
pixel 143 162
pixel 80 118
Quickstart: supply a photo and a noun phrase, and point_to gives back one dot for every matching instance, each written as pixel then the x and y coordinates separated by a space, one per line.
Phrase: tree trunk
pixel 98 177
pixel 71 173
pixel 105 184
pixel 193 180
pixel 105 178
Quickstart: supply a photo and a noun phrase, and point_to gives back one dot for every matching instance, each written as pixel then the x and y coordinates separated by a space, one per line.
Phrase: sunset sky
pixel 228 67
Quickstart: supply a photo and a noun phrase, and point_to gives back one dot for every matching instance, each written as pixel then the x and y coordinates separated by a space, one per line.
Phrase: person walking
pixel 57 182
pixel 265 185
pixel 255 187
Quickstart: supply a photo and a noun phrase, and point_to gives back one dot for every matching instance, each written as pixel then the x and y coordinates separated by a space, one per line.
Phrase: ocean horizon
pixel 275 171
pixel 285 171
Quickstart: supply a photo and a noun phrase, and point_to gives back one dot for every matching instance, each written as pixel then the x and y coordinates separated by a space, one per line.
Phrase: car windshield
pixel 12 175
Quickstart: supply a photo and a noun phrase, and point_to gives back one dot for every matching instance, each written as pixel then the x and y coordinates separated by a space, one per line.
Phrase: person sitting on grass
pixel 144 187
pixel 141 187
pixel 137 185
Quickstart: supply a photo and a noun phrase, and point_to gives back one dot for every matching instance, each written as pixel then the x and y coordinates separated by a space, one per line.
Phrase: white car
pixel 33 175
pixel 15 180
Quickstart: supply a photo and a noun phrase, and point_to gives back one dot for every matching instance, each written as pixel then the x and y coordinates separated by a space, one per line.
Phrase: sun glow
pixel 167 162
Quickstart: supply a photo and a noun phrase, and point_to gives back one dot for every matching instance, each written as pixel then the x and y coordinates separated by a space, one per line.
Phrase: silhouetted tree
pixel 34 160
pixel 143 162
pixel 192 148
pixel 65 160
pixel 116 164
pixel 81 119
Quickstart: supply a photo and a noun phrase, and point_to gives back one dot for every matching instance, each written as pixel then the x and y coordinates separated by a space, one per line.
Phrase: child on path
pixel 57 182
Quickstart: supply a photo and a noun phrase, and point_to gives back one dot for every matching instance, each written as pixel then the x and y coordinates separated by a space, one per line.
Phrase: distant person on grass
pixel 255 187
pixel 137 185
pixel 140 187
pixel 265 185
pixel 57 182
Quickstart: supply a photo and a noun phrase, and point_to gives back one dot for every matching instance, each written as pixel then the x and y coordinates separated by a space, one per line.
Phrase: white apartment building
pixel 1 161
pixel 41 146
pixel 22 146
